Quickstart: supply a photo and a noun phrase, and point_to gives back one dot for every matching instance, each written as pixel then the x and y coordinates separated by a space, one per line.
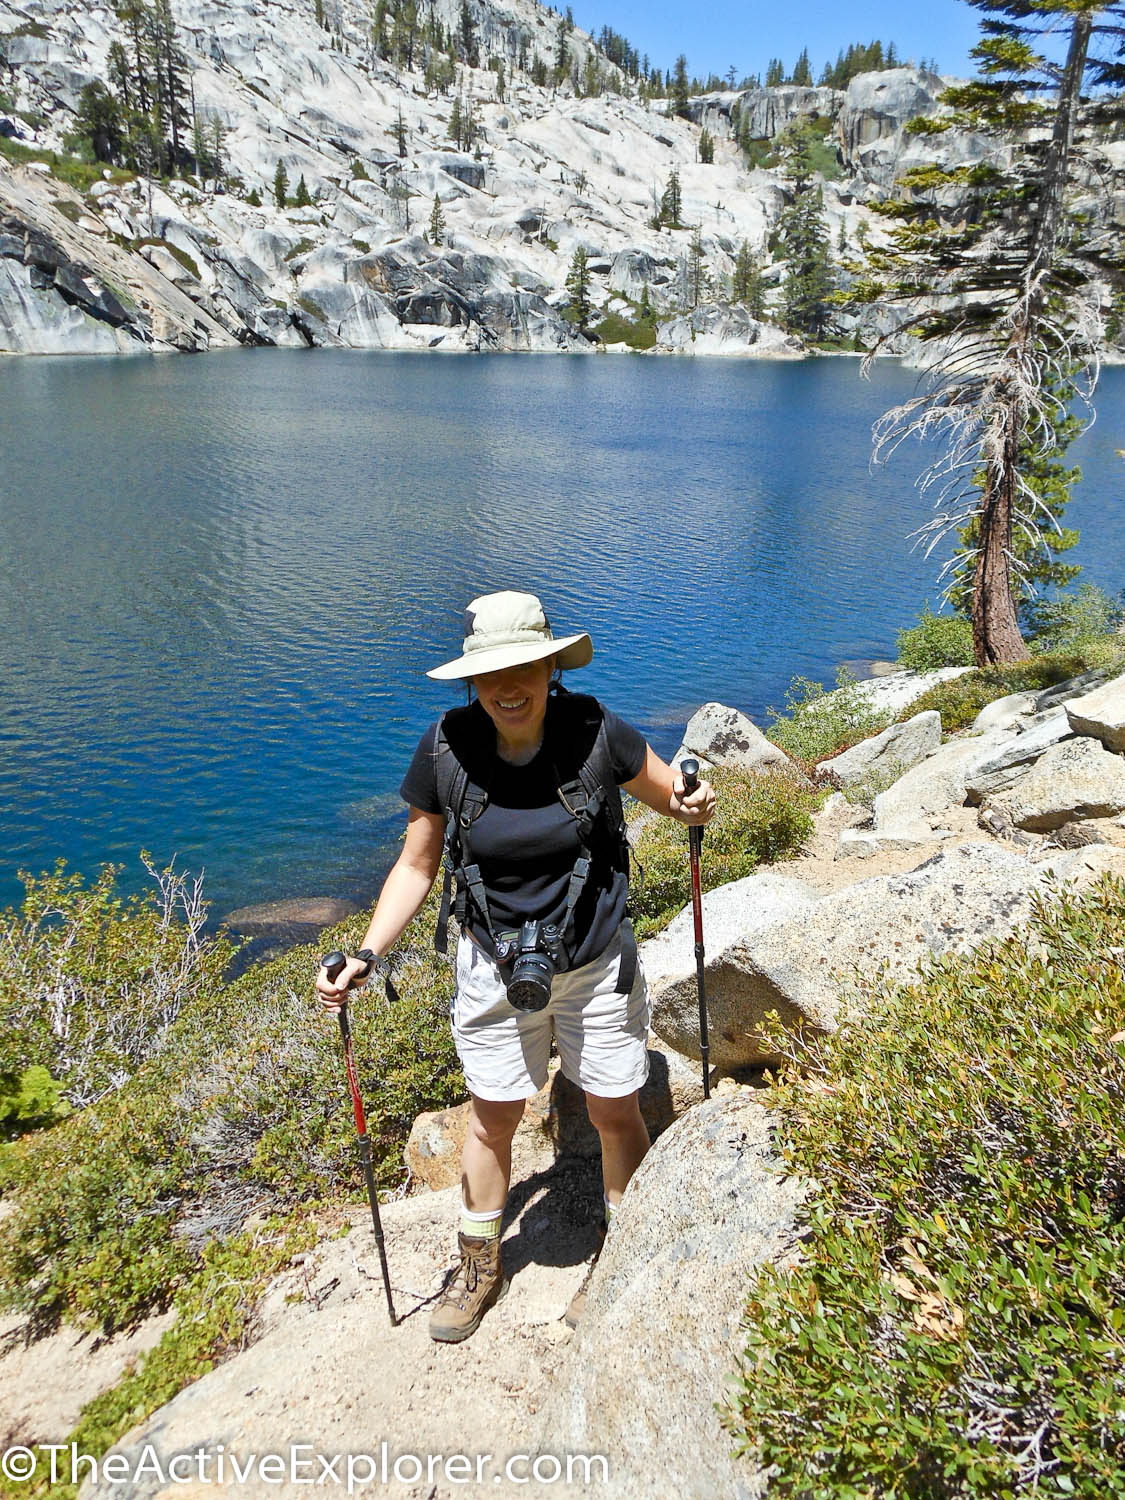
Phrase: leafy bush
pixel 955 1327
pixel 614 329
pixel 758 819
pixel 1072 621
pixel 821 724
pixel 89 983
pixel 936 641
pixel 28 1101
pixel 243 1111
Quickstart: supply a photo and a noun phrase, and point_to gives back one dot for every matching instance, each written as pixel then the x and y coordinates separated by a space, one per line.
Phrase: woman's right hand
pixel 333 993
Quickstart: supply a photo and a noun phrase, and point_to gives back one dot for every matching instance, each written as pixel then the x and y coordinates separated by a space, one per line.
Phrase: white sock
pixel 481 1226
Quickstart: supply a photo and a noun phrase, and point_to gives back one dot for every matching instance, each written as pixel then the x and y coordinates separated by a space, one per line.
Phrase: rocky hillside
pixel 128 263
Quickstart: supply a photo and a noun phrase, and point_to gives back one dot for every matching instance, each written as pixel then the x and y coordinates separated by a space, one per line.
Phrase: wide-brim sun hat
pixel 507 630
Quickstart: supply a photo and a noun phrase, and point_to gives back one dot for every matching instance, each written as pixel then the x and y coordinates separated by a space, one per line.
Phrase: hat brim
pixel 572 651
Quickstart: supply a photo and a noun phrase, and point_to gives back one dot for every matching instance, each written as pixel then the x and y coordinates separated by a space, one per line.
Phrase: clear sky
pixel 713 34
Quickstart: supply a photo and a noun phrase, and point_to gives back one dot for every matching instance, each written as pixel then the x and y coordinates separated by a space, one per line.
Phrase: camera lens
pixel 530 986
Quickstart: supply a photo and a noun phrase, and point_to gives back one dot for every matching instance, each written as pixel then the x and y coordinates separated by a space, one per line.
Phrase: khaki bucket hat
pixel 506 630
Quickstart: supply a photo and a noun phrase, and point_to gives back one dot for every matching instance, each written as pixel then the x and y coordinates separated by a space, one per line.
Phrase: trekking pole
pixel 333 963
pixel 690 771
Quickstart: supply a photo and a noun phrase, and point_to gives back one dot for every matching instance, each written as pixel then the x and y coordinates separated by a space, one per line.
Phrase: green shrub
pixel 955 1327
pixel 961 698
pixel 90 983
pixel 614 329
pixel 243 1110
pixel 821 724
pixel 1072 621
pixel 29 1100
pixel 758 819
pixel 936 641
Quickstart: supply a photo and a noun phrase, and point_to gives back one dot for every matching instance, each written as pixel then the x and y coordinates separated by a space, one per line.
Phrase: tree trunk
pixel 996 632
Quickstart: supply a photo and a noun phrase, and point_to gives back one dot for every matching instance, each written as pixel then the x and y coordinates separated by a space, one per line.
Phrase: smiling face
pixel 515 699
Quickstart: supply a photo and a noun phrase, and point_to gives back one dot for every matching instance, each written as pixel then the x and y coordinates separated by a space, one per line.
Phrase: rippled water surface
pixel 222 579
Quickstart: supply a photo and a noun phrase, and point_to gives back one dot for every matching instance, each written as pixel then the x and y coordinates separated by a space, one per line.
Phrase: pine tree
pixel 706 147
pixel 455 125
pixel 400 133
pixel 748 283
pixel 280 184
pixel 802 72
pixel 999 396
pixel 301 197
pixel 437 223
pixel 254 198
pixel 467 36
pixel 98 121
pixel 672 202
pixel 645 311
pixel 775 73
pixel 808 279
pixel 578 288
pixel 696 269
pixel 681 90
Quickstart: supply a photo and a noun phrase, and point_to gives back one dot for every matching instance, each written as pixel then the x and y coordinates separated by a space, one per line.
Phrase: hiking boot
pixel 578 1301
pixel 476 1284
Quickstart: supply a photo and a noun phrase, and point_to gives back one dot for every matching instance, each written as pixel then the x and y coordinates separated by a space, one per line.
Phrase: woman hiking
pixel 521 790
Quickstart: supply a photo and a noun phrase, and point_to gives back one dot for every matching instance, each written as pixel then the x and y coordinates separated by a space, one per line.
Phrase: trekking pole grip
pixel 689 767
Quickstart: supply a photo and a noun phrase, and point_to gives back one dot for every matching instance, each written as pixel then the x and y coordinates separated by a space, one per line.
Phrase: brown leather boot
pixel 578 1301
pixel 476 1284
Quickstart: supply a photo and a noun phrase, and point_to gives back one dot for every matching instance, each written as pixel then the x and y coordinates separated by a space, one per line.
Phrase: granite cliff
pixel 133 264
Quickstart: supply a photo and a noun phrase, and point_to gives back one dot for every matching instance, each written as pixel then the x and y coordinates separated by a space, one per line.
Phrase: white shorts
pixel 601 1035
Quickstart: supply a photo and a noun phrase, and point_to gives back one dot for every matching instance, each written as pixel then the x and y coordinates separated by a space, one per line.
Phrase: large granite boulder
pixel 1077 778
pixel 732 915
pixel 1012 761
pixel 707 1206
pixel 1101 714
pixel 914 805
pixel 720 736
pixel 892 753
pixel 801 963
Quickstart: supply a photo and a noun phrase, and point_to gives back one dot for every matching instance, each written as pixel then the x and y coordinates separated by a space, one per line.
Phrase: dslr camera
pixel 535 954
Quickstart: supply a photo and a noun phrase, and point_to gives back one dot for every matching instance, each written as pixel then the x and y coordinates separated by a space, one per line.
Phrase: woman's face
pixel 515 699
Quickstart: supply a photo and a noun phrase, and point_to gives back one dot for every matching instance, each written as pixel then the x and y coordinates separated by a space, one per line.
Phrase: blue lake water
pixel 222 579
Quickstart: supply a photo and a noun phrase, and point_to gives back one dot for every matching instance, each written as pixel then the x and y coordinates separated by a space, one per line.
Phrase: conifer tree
pixel 672 201
pixel 706 147
pixel 775 73
pixel 437 223
pixel 281 184
pixel 1000 393
pixel 802 72
pixel 301 197
pixel 681 90
pixel 400 133
pixel 578 288
pixel 748 285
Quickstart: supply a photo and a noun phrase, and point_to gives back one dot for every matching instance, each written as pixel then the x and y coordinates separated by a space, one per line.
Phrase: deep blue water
pixel 222 579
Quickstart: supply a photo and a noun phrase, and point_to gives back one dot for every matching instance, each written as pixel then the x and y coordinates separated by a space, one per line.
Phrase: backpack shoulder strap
pixel 462 802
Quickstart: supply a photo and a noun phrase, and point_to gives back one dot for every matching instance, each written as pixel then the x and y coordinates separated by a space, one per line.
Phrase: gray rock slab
pixel 935 784
pixel 1101 714
pixel 896 750
pixel 661 1329
pixel 1004 713
pixel 806 964
pixel 723 736
pixel 1078 778
pixel 1008 765
pixel 731 914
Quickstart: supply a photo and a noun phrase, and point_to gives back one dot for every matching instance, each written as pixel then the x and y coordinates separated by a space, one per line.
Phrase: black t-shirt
pixel 525 841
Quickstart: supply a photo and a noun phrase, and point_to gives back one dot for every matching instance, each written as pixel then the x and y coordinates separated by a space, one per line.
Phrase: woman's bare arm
pixel 660 787
pixel 401 899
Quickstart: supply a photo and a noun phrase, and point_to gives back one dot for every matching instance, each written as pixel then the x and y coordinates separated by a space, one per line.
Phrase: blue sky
pixel 715 35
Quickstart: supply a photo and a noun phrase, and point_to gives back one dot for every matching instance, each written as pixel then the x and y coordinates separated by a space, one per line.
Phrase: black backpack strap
pixel 627 973
pixel 463 802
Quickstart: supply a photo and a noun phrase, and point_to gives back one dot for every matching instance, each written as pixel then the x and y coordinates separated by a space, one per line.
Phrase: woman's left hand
pixel 696 806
